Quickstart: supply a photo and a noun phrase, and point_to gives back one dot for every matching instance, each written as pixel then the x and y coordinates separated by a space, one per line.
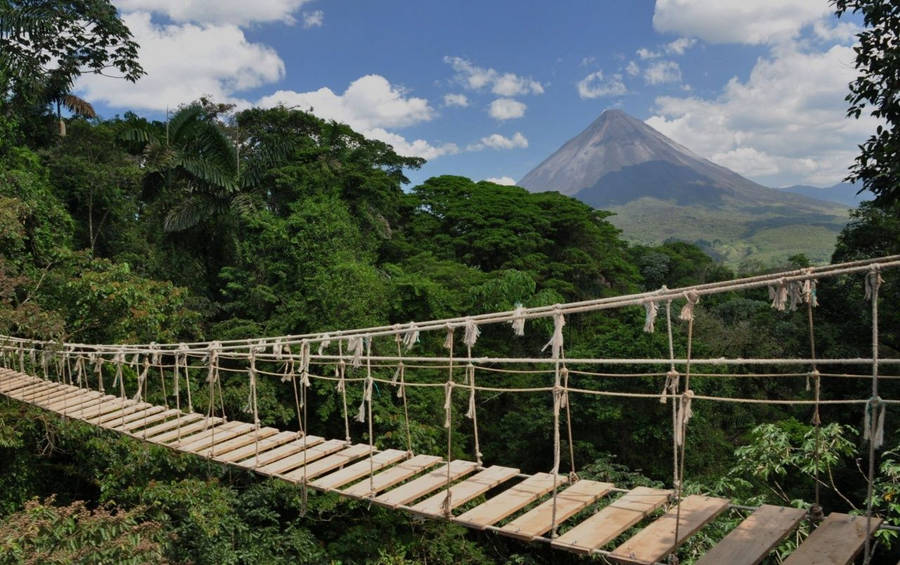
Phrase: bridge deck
pixel 523 509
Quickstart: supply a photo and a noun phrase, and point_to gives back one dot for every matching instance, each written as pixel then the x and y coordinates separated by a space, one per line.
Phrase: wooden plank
pixel 12 383
pixel 657 540
pixel 70 399
pixel 113 418
pixel 359 469
pixel 103 405
pixel 281 452
pixel 31 390
pixel 752 540
pixel 241 441
pixel 147 421
pixel 203 445
pixel 138 414
pixel 509 501
pixel 303 457
pixel 167 425
pixel 328 464
pixel 610 522
pixel 198 427
pixel 417 488
pixel 265 445
pixel 204 436
pixel 837 540
pixel 539 520
pixel 49 396
pixel 387 479
pixel 74 405
pixel 465 491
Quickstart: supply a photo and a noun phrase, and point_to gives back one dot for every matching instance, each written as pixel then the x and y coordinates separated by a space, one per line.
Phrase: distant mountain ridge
pixel 842 193
pixel 662 190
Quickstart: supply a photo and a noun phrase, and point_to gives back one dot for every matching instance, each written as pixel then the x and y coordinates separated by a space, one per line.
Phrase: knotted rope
pixel 556 347
pixel 447 505
pixel 340 372
pixel 469 339
pixel 518 320
pixel 874 413
pixel 400 378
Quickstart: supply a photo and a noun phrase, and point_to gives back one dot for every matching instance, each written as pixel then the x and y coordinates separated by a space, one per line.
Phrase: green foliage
pixel 45 533
pixel 873 91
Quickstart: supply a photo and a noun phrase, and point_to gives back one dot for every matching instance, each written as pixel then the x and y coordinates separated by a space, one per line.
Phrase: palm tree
pixel 197 157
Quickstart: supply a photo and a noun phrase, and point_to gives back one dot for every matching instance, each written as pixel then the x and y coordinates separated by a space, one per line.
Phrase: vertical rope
pixel 253 403
pixel 401 390
pixel 448 414
pixel 340 370
pixel 470 338
pixel 874 428
pixel 556 347
pixel 368 396
pixel 684 410
pixel 808 293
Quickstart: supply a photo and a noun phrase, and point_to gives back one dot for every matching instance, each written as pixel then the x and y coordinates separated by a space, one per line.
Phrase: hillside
pixel 661 190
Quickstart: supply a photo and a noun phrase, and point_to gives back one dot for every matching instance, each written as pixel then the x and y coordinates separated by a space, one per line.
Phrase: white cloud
pixel 645 53
pixel 506 181
pixel 456 100
pixel 633 69
pixel 184 62
pixel 497 141
pixel 720 21
pixel 506 109
pixel 662 72
pixel 585 62
pixel 680 45
pixel 316 18
pixel 595 86
pixel 369 105
pixel 502 84
pixel 784 125
pixel 236 12
pixel 369 102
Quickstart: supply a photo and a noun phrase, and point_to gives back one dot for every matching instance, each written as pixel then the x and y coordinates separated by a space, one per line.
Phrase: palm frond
pixel 189 212
pixel 78 106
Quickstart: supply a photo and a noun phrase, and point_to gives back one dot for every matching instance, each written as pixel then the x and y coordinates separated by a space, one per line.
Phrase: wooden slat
pixel 330 463
pixel 13 383
pixel 610 522
pixel 285 464
pixel 197 427
pixel 204 436
pixel 281 452
pixel 394 475
pixel 31 391
pixel 359 469
pixel 539 520
pixel 203 445
pixel 71 400
pixel 657 540
pixel 752 540
pixel 113 418
pixel 168 425
pixel 241 441
pixel 147 421
pixel 73 406
pixel 837 540
pixel 139 414
pixel 417 488
pixel 465 491
pixel 509 501
pixel 268 444
pixel 94 408
pixel 48 397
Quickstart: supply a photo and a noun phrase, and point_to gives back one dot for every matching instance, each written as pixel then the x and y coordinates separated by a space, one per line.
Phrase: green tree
pixel 874 91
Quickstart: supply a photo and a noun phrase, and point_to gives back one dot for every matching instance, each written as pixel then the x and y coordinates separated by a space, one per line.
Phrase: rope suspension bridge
pixel 68 379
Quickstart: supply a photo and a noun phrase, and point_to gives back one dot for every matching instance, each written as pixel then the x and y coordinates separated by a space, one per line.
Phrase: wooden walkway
pixel 514 507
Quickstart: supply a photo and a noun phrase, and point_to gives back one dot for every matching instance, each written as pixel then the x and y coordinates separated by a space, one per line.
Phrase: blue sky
pixel 489 89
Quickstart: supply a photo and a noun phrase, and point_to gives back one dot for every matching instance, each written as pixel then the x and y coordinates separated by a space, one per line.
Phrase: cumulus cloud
pixel 784 125
pixel 596 86
pixel 235 12
pixel 184 62
pixel 502 84
pixel 507 181
pixel 506 109
pixel 645 53
pixel 680 45
pixel 460 100
pixel 756 22
pixel 662 72
pixel 497 141
pixel 316 18
pixel 368 102
pixel 632 68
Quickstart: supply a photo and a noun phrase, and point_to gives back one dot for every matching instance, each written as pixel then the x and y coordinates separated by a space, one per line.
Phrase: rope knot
pixel 411 337
pixel 671 386
pixel 873 282
pixel 651 310
pixel 448 396
pixel 448 341
pixel 687 311
pixel 518 320
pixel 324 343
pixel 874 421
pixel 683 415
pixel 472 333
pixel 556 341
